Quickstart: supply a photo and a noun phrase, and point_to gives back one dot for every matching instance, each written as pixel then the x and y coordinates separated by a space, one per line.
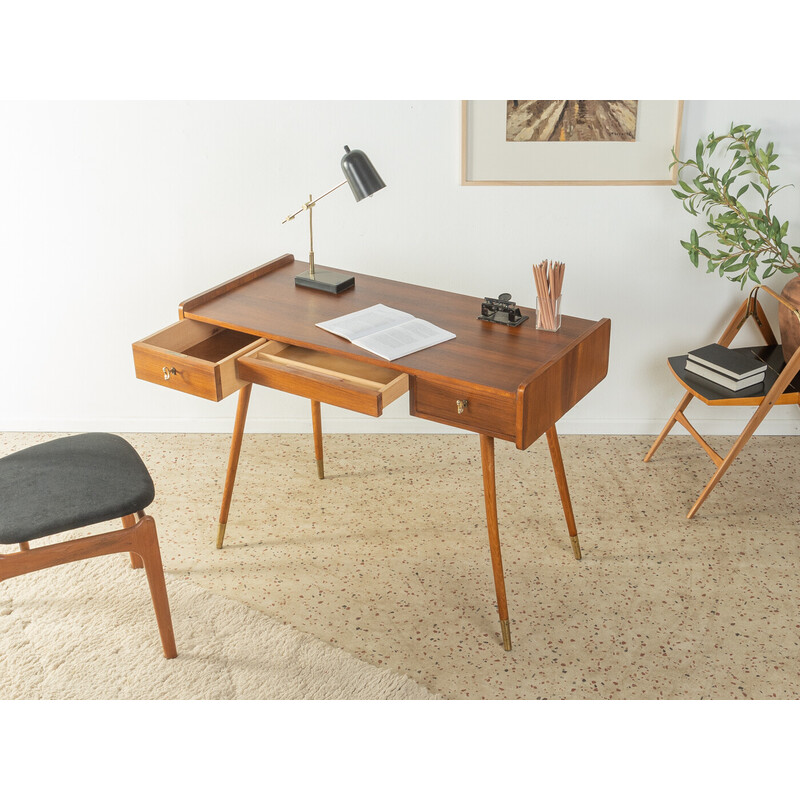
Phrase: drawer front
pixel 193 357
pixel 479 411
pixel 329 379
pixel 191 376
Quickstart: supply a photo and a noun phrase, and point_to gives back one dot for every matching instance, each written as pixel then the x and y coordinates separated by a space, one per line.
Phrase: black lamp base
pixel 326 281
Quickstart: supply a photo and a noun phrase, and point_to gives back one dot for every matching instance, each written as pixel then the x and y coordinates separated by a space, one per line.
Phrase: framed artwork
pixel 569 142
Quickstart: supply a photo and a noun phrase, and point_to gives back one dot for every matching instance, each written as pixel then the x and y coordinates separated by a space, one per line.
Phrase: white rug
pixel 87 631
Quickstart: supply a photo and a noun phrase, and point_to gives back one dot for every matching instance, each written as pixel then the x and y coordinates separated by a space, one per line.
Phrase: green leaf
pixel 699 155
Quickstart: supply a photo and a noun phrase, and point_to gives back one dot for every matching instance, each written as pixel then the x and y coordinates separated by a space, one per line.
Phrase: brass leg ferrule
pixel 320 469
pixel 576 546
pixel 220 535
pixel 506 628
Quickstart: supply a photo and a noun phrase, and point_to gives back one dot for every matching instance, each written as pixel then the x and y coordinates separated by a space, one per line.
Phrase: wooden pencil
pixel 540 278
pixel 549 279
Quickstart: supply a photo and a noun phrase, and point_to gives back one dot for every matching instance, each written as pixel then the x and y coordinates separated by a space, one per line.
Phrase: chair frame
pixel 777 395
pixel 137 537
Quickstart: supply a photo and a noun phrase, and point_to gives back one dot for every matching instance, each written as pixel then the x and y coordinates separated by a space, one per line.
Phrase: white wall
pixel 112 213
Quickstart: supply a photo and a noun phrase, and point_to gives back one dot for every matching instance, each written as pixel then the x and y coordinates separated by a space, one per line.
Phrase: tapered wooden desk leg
pixel 668 427
pixel 316 423
pixel 233 460
pixel 563 490
pixel 490 497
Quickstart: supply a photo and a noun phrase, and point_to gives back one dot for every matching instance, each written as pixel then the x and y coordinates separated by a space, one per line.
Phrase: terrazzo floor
pixel 388 558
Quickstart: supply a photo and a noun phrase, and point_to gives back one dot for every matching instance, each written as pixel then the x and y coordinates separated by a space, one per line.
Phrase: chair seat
pixel 70 483
pixel 713 394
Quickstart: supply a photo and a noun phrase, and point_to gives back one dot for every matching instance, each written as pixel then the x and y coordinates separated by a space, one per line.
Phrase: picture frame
pixel 487 159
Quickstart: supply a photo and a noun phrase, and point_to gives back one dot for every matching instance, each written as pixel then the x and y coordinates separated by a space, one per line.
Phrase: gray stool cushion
pixel 70 483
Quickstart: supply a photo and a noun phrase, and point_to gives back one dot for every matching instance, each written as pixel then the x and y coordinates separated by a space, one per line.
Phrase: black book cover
pixel 733 363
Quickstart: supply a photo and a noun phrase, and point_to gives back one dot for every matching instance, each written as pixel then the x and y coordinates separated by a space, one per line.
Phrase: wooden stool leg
pixel 316 423
pixel 490 498
pixel 136 561
pixel 668 427
pixel 140 538
pixel 563 490
pixel 233 460
pixel 24 546
pixel 148 549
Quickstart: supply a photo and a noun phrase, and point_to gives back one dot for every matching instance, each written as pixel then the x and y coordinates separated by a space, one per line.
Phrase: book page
pixel 401 340
pixel 365 322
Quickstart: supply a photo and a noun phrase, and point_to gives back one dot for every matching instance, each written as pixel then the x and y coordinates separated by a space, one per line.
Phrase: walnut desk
pixel 511 383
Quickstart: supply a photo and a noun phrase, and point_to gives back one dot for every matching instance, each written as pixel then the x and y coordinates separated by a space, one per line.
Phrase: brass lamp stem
pixel 310 239
pixel 308 207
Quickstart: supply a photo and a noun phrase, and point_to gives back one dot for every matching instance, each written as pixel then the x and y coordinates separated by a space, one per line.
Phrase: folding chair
pixel 781 387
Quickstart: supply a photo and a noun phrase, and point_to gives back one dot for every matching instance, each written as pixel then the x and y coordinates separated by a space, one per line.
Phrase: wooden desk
pixel 494 380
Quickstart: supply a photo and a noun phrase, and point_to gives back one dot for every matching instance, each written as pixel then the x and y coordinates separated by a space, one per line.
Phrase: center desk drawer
pixel 336 380
pixel 482 411
pixel 193 357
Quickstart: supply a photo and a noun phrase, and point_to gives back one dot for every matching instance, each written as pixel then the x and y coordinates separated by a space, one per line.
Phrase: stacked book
pixel 733 369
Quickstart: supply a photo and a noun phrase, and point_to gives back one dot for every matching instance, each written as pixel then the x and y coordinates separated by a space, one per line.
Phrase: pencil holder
pixel 548 315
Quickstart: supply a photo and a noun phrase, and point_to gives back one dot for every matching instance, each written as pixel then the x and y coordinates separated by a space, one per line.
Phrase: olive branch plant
pixel 748 242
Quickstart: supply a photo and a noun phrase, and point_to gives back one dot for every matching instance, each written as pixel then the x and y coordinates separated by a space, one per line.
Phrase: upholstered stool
pixel 71 483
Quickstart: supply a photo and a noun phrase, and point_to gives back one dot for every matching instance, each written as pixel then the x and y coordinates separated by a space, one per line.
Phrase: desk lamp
pixel 364 181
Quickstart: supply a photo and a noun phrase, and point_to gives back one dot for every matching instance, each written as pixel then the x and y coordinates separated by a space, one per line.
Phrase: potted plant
pixel 750 244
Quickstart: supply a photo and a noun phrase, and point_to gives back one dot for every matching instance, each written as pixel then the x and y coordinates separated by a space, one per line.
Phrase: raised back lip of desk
pixel 265 302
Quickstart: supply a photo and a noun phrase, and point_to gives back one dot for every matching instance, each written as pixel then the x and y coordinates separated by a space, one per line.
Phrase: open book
pixel 387 332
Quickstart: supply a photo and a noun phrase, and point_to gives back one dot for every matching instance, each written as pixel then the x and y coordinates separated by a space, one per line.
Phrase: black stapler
pixel 501 310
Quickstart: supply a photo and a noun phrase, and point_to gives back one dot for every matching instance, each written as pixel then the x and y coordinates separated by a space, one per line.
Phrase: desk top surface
pixel 266 302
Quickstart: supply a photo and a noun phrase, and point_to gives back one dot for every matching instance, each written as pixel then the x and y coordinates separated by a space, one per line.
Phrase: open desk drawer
pixel 194 357
pixel 328 378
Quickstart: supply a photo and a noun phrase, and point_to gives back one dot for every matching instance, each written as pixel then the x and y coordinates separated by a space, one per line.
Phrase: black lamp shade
pixel 361 175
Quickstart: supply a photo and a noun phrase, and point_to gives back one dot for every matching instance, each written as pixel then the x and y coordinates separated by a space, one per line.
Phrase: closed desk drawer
pixel 193 357
pixel 475 410
pixel 328 378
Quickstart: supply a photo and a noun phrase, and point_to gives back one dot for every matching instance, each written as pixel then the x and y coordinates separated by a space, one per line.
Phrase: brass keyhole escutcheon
pixel 461 405
pixel 169 371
